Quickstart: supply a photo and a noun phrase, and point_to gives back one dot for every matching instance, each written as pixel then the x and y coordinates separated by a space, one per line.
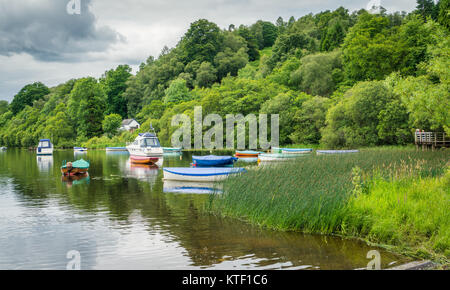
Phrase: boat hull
pixel 74 171
pixel 44 151
pixel 213 161
pixel 171 150
pixel 143 159
pixel 276 157
pixel 116 149
pixel 247 154
pixel 200 174
pixel 324 152
pixel 296 151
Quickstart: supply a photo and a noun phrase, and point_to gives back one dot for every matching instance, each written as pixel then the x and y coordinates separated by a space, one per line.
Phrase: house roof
pixel 128 122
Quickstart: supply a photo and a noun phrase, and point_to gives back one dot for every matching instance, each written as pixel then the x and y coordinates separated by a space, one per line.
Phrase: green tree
pixel 177 92
pixel 354 120
pixel 27 95
pixel 427 8
pixel 309 120
pixel 202 41
pixel 334 36
pixel 3 107
pixel 444 13
pixel 86 107
pixel 111 123
pixel 369 51
pixel 114 85
pixel 316 74
pixel 206 75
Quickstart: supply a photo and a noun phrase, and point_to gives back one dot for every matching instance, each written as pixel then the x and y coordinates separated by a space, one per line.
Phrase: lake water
pixel 120 217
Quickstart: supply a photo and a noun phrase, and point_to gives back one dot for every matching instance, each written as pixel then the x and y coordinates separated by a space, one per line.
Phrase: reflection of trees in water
pixel 209 240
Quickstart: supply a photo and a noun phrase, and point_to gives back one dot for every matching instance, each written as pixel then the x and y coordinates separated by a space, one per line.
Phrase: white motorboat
pixel 145 149
pixel 45 147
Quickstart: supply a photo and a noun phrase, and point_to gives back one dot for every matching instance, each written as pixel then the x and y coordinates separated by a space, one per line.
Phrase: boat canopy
pixel 45 143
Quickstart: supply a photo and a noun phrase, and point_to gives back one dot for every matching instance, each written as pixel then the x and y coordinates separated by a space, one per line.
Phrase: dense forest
pixel 336 78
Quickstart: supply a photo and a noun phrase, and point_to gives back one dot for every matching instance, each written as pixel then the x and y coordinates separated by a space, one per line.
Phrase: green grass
pixel 317 194
pixel 408 212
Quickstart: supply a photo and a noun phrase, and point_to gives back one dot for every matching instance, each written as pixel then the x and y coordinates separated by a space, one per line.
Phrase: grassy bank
pixel 353 195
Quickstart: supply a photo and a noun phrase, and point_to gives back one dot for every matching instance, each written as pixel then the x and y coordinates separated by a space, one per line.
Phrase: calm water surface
pixel 120 217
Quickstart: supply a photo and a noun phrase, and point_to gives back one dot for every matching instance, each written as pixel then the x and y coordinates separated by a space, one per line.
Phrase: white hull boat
pixel 200 174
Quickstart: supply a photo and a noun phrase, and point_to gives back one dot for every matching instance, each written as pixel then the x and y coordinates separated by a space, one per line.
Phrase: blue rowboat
pixel 296 150
pixel 319 152
pixel 213 161
pixel 199 174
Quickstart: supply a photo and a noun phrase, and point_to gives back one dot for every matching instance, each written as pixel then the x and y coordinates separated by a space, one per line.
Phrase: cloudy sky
pixel 40 41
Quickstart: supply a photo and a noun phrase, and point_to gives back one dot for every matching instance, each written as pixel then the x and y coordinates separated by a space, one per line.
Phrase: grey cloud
pixel 46 31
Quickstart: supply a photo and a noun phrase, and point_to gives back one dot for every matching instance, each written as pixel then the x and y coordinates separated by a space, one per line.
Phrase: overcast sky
pixel 40 41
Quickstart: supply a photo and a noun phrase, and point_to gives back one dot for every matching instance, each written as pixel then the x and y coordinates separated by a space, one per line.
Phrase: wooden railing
pixel 437 139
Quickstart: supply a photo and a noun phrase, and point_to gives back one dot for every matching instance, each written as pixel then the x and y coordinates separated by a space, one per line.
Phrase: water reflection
pixel 145 172
pixel 76 179
pixel 45 163
pixel 122 217
pixel 186 187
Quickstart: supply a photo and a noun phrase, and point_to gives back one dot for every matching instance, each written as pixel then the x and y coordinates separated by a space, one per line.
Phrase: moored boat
pixel 115 149
pixel 248 153
pixel 45 147
pixel 276 157
pixel 322 152
pixel 79 149
pixel 171 150
pixel 78 167
pixel 296 150
pixel 3 148
pixel 145 149
pixel 213 161
pixel 275 150
pixel 200 174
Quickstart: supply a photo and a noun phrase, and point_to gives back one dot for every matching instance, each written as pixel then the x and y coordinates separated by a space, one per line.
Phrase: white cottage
pixel 129 125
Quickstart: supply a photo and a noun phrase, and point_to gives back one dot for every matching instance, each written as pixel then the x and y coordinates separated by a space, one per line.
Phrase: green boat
pixel 80 166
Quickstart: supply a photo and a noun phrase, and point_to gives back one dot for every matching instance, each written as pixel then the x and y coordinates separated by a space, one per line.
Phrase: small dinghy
pixel 115 149
pixel 199 174
pixel 247 153
pixel 296 150
pixel 79 149
pixel 213 161
pixel 171 150
pixel 276 157
pixel 275 150
pixel 320 152
pixel 78 167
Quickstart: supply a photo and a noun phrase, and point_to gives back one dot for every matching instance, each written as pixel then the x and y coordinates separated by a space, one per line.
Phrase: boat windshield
pixel 150 142
pixel 44 144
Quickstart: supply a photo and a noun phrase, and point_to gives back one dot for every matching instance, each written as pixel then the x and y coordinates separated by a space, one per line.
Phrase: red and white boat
pixel 145 149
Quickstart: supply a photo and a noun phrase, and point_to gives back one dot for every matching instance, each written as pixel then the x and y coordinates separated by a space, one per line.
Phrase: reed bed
pixel 314 193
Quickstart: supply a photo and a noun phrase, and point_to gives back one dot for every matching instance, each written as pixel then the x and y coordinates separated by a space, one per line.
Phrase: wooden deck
pixel 431 140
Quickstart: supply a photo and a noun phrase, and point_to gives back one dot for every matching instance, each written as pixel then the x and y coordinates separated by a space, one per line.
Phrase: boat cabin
pixel 45 143
pixel 146 140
